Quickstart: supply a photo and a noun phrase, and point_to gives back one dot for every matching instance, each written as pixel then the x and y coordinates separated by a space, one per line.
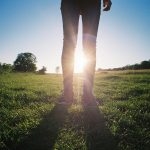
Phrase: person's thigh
pixel 70 17
pixel 90 18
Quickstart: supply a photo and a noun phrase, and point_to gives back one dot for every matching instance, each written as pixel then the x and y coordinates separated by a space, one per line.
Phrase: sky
pixel 36 26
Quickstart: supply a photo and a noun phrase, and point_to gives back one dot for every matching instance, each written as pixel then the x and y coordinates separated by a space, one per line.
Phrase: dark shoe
pixel 64 101
pixel 90 102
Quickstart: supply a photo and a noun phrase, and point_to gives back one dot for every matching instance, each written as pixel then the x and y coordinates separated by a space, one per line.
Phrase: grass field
pixel 31 120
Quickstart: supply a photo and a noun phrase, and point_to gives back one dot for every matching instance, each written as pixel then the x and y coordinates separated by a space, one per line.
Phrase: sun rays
pixel 80 61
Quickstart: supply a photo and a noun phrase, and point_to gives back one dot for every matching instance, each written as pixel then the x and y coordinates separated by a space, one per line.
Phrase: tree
pixel 57 69
pixel 5 68
pixel 145 64
pixel 43 70
pixel 25 62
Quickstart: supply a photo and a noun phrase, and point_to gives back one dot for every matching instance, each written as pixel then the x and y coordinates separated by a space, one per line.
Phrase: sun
pixel 80 61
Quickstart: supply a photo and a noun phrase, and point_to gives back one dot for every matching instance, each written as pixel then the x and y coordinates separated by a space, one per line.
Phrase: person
pixel 90 11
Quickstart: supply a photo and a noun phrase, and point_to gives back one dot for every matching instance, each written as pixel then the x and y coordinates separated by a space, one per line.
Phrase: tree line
pixel 25 62
pixel 143 65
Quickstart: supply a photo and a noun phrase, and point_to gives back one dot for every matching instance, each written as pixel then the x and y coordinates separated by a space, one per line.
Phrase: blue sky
pixel 36 26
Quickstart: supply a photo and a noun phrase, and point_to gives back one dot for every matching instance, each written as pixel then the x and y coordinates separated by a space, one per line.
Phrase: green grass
pixel 31 120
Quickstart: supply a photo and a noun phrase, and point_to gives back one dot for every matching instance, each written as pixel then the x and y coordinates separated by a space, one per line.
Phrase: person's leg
pixel 90 18
pixel 70 17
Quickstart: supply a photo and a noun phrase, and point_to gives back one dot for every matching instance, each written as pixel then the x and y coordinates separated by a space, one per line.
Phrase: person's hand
pixel 107 5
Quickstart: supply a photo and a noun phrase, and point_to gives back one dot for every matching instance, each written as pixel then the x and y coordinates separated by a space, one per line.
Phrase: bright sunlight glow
pixel 80 61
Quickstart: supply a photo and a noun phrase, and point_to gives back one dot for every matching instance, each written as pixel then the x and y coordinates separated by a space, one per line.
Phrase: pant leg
pixel 70 17
pixel 90 18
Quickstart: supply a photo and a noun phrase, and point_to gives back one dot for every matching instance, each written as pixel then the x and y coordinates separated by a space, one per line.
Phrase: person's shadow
pixel 98 136
pixel 44 136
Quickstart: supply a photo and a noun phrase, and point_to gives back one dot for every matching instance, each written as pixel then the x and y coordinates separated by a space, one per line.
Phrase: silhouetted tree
pixel 25 62
pixel 43 70
pixel 136 66
pixel 145 64
pixel 57 69
pixel 5 68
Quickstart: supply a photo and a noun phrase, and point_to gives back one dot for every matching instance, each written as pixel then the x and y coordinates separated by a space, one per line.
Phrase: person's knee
pixel 68 51
pixel 70 42
pixel 89 41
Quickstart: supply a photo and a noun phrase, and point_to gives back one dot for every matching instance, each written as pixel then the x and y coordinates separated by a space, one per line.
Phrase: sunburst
pixel 80 61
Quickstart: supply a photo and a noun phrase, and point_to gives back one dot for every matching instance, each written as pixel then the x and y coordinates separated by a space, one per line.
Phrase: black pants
pixel 90 12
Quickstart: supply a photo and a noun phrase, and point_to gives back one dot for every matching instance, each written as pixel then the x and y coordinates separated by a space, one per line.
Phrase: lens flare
pixel 80 61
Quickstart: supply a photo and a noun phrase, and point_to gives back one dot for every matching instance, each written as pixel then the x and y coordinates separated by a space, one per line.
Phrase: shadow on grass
pixel 44 136
pixel 98 136
pixel 91 120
